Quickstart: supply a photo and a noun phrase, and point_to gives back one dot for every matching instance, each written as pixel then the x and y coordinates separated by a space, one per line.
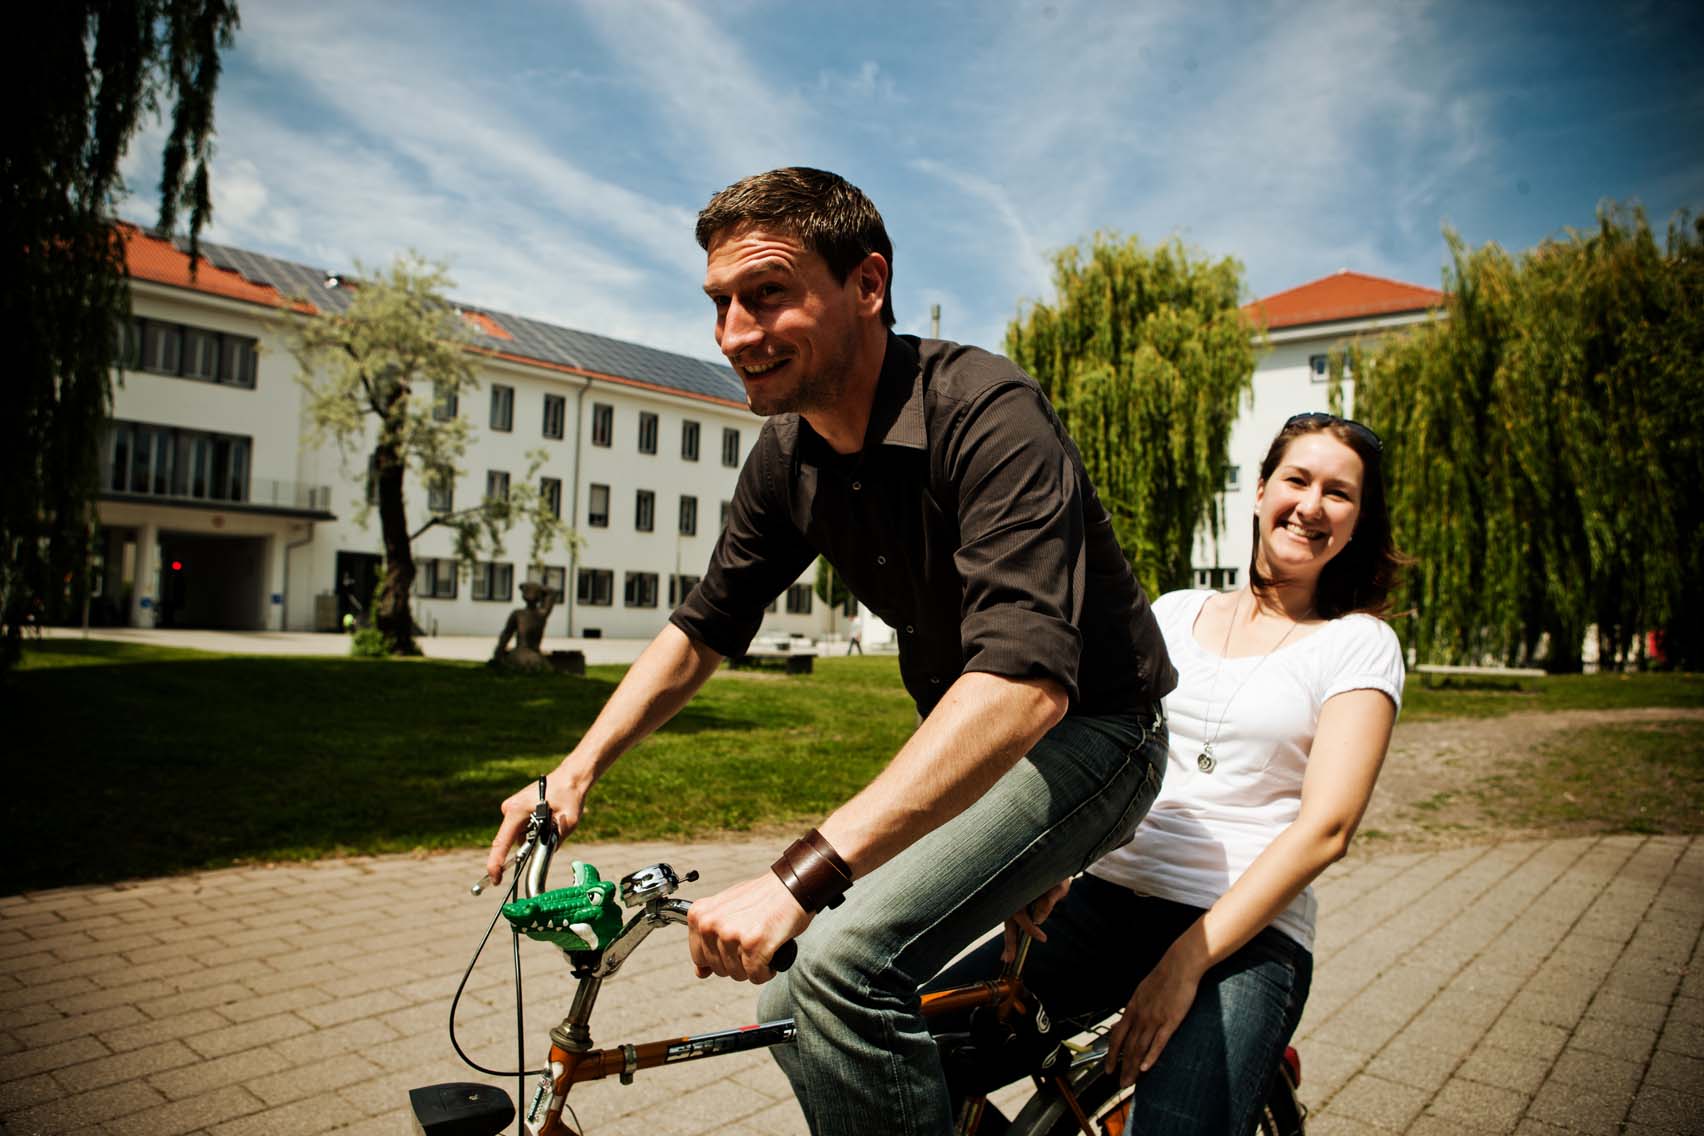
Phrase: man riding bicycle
pixel 937 481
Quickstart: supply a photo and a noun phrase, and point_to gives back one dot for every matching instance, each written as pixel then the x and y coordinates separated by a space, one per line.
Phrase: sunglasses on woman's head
pixel 1321 418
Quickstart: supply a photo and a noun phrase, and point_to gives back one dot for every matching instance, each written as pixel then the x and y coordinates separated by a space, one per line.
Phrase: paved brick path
pixel 1531 988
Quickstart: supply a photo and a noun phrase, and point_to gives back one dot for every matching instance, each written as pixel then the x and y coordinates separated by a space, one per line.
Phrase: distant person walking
pixel 855 635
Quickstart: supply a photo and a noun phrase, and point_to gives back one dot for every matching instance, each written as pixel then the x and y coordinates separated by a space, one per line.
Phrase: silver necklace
pixel 1205 761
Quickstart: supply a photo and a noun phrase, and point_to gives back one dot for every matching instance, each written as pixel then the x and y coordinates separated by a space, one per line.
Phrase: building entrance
pixel 357 580
pixel 216 582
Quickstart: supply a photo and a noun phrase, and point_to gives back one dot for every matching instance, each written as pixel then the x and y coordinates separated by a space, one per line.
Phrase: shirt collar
pixel 896 417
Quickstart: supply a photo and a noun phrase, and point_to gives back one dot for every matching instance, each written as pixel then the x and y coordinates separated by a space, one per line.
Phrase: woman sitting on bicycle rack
pixel 1201 927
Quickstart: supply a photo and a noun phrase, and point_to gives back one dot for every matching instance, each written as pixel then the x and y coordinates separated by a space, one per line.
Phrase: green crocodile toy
pixel 584 917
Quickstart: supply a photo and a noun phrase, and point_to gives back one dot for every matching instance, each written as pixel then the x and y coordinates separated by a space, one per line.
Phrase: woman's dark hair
pixel 827 213
pixel 1361 577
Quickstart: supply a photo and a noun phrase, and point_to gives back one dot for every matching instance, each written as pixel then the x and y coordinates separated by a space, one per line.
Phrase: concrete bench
pixel 795 662
pixel 1430 671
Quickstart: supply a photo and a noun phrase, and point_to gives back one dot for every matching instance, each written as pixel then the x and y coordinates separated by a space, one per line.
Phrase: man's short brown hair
pixel 827 213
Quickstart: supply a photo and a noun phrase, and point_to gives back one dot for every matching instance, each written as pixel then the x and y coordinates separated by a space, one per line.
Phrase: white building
pixel 1304 325
pixel 217 511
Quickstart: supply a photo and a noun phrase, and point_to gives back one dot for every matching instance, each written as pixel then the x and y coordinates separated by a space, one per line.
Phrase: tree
pixel 89 74
pixel 830 588
pixel 372 361
pixel 1544 446
pixel 1145 355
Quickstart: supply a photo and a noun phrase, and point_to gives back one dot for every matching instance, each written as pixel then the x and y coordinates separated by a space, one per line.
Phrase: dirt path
pixel 1428 759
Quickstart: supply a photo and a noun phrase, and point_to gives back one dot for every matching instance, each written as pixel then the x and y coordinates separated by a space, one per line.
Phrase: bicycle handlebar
pixel 584 917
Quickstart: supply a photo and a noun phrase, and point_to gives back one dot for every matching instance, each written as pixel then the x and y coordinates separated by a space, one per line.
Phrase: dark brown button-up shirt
pixel 966 523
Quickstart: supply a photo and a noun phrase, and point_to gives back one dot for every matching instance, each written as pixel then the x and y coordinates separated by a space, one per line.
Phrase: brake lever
pixel 539 827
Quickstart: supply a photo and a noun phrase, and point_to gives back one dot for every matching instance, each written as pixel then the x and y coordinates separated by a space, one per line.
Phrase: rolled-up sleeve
pixel 759 553
pixel 1021 552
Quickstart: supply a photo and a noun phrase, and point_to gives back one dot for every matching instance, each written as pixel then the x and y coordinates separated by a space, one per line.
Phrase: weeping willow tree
pixel 1145 355
pixel 1545 449
pixel 86 74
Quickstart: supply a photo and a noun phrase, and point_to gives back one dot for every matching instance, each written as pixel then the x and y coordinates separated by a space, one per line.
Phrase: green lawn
pixel 179 759
pixel 1481 698
pixel 1608 778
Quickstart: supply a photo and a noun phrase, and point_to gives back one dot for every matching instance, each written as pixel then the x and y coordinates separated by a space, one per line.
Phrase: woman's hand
pixel 1029 918
pixel 1151 1017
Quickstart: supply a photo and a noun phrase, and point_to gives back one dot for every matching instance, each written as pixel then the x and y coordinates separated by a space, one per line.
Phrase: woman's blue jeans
pixel 864 1061
pixel 1102 940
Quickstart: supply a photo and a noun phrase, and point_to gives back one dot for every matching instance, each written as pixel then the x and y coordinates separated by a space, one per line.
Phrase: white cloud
pixel 718 109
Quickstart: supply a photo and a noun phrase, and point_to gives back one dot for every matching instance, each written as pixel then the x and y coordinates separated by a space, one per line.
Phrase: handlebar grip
pixel 785 957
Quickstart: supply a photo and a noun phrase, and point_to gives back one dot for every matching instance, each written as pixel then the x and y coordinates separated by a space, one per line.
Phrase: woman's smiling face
pixel 1309 506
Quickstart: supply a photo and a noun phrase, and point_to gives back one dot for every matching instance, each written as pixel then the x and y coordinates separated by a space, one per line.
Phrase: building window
pixel 555 414
pixel 799 599
pixel 1319 368
pixel 1233 476
pixel 435 578
pixel 441 497
pixel 550 488
pixel 493 581
pixel 688 516
pixel 730 447
pixel 444 405
pixel 680 587
pixel 372 479
pixel 645 510
pixel 162 347
pixel 1220 579
pixel 555 580
pixel 595 587
pixel 238 359
pixel 502 407
pixel 163 461
pixel 603 423
pixel 647 432
pixel 496 485
pixel 201 354
pixel 597 506
pixel 689 441
pixel 189 352
pixel 641 589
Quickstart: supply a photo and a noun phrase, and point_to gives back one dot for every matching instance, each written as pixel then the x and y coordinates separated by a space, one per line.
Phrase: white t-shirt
pixel 1206 828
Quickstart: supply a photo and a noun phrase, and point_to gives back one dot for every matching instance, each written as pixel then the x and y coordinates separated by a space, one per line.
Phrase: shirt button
pixel 857 486
pixel 881 560
pixel 908 629
pixel 934 680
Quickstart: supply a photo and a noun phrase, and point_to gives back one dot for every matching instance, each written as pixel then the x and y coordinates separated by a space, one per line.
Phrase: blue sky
pixel 554 154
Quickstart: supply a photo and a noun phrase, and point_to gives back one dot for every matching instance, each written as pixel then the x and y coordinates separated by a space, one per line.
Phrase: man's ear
pixel 870 278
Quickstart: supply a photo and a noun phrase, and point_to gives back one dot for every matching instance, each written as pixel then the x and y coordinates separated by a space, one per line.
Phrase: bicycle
pixel 1073 1092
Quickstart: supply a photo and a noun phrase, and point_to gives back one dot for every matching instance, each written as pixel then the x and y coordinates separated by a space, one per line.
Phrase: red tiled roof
pixel 160 261
pixel 1343 295
pixel 486 324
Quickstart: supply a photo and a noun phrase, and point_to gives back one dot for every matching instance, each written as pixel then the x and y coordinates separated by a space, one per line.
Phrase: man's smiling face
pixel 788 327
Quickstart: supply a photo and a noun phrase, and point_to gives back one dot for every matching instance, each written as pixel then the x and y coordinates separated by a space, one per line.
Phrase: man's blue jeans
pixel 864 1061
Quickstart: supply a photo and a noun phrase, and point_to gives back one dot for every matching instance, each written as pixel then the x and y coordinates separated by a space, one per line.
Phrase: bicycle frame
pixel 573 1059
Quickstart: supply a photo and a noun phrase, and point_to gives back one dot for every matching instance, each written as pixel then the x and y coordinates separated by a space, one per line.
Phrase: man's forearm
pixel 661 680
pixel 973 736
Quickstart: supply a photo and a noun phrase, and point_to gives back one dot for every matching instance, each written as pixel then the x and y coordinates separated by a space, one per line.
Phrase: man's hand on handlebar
pixel 736 933
pixel 567 799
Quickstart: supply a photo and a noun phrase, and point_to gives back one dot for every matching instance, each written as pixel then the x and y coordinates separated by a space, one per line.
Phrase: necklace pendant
pixel 1206 762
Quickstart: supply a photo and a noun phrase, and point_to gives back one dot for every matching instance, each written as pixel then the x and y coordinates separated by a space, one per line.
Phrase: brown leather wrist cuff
pixel 814 872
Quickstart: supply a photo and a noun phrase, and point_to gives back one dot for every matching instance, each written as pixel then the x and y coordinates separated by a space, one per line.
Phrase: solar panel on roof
pixel 533 339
